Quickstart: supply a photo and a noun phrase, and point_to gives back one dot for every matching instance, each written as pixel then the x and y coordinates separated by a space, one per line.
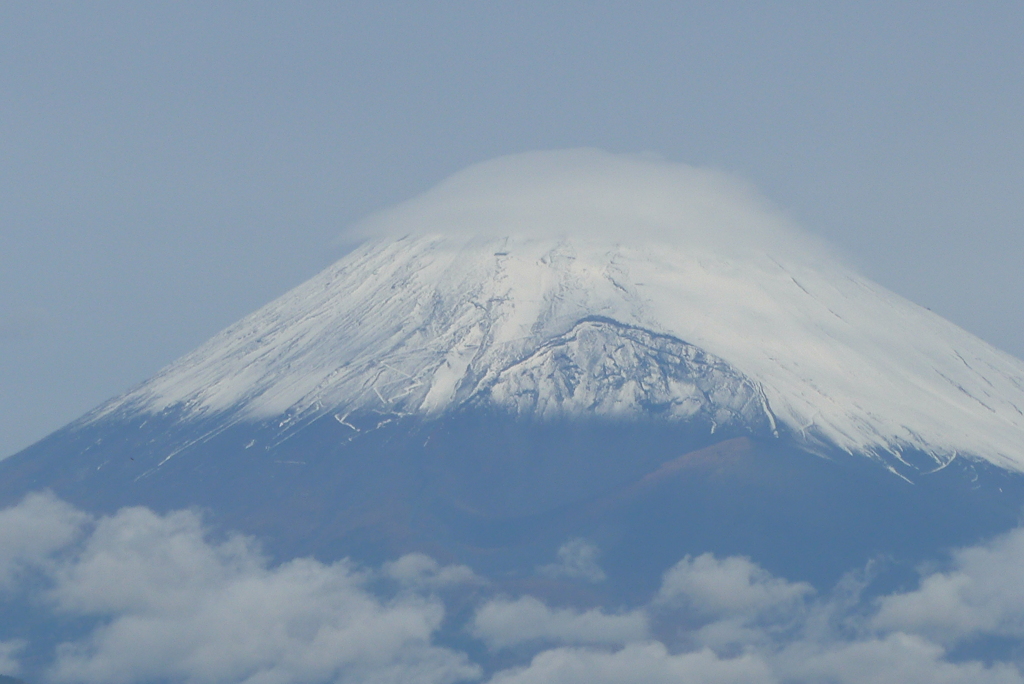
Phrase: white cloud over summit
pixel 159 599
pixel 588 192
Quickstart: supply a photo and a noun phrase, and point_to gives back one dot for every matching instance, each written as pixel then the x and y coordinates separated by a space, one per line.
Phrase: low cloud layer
pixel 158 598
pixel 174 605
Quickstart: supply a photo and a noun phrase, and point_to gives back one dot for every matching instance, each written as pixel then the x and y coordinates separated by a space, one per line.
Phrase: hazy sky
pixel 167 168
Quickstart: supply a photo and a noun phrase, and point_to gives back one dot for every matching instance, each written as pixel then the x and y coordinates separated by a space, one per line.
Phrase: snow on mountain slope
pixel 603 368
pixel 619 316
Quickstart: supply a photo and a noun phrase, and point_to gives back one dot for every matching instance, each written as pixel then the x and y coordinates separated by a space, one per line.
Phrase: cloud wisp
pixel 158 598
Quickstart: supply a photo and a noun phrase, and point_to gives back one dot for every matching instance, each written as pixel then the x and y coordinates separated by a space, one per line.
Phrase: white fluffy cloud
pixel 649 663
pixel 160 600
pixel 175 605
pixel 501 623
pixel 31 532
pixel 729 586
pixel 420 571
pixel 983 592
pixel 9 652
pixel 179 606
pixel 577 559
pixel 895 658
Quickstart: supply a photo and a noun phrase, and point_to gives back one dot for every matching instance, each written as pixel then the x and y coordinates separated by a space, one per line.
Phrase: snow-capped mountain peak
pixel 717 321
pixel 424 325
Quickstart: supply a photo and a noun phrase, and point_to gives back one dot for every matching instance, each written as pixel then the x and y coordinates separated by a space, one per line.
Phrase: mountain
pixel 572 346
pixel 576 328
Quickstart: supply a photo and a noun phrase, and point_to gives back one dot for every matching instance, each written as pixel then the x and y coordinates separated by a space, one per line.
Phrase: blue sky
pixel 169 167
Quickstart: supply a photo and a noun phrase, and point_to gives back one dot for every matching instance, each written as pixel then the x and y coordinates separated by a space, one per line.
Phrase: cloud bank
pixel 589 193
pixel 174 605
pixel 157 598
